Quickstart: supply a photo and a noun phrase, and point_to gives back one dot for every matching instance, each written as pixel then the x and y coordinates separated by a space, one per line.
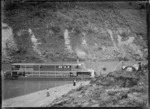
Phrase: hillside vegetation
pixel 55 31
pixel 117 89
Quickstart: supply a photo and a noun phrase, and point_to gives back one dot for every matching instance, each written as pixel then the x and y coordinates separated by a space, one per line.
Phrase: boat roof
pixel 59 63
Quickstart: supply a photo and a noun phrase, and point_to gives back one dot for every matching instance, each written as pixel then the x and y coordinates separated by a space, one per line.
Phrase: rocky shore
pixel 117 89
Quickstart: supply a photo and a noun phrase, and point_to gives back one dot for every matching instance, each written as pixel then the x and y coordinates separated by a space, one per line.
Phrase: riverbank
pixel 117 89
pixel 41 98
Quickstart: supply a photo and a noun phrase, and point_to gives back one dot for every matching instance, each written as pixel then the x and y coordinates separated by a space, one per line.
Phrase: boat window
pixel 28 72
pixel 47 67
pixel 15 67
pixel 35 72
pixel 36 67
pixel 78 67
pixel 51 72
pixel 29 66
pixel 60 67
pixel 22 66
pixel 43 73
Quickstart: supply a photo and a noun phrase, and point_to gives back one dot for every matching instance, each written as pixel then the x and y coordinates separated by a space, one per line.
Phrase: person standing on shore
pixel 74 82
pixel 123 65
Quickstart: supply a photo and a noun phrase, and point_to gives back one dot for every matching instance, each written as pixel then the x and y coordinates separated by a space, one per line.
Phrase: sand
pixel 40 98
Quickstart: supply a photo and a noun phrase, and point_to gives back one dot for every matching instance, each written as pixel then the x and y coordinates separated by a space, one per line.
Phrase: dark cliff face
pixel 65 31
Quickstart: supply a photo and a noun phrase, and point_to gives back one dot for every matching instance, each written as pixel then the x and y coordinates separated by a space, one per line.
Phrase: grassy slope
pixel 48 22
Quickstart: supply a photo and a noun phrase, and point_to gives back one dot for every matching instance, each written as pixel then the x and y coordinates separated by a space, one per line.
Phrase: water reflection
pixel 14 88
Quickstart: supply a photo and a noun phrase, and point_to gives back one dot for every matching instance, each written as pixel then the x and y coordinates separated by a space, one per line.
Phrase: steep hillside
pixel 117 89
pixel 64 31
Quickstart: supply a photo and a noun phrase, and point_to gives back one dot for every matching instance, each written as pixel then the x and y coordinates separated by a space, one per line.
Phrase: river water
pixel 15 88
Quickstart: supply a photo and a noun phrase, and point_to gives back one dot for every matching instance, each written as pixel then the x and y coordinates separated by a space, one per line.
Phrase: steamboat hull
pixel 32 70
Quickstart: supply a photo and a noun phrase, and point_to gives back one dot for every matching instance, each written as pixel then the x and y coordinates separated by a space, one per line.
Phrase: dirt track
pixel 109 65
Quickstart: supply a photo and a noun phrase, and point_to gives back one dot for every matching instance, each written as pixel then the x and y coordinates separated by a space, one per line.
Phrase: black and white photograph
pixel 74 54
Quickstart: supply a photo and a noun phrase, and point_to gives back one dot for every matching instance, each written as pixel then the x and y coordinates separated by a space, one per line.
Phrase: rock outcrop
pixel 93 31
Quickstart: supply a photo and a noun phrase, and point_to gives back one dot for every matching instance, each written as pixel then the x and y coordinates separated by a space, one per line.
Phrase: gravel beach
pixel 41 98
